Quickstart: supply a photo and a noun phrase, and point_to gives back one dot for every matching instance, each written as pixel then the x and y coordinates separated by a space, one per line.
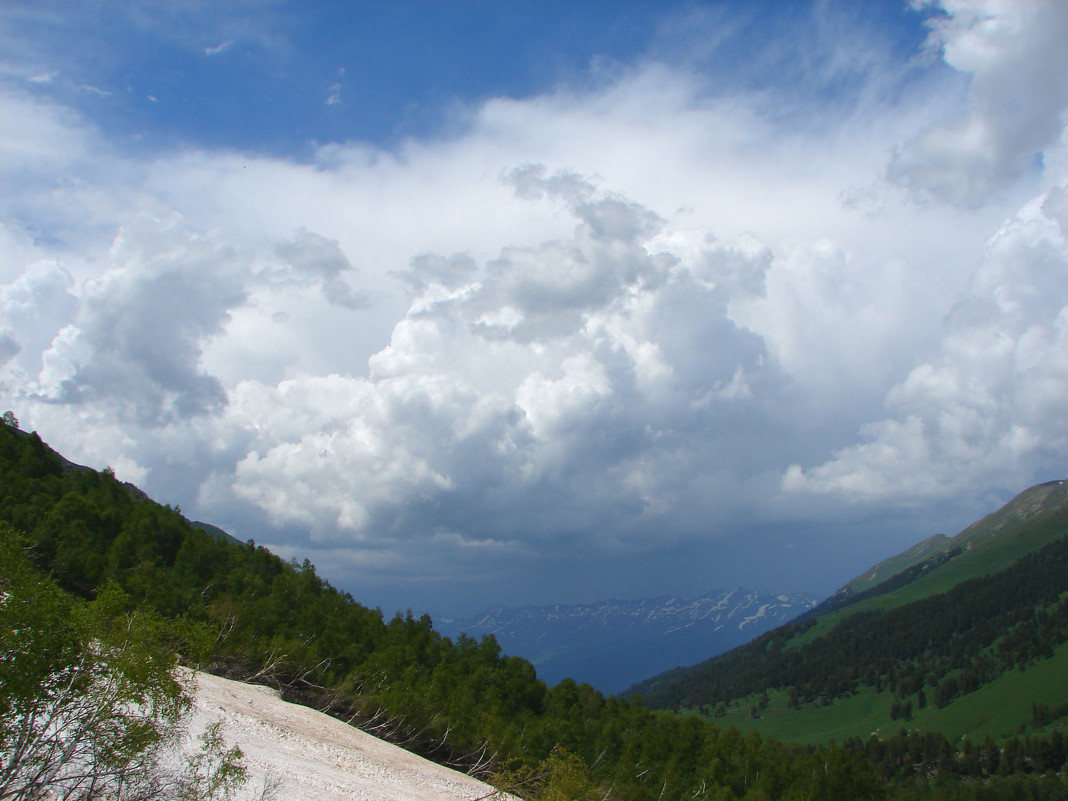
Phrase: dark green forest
pixel 466 704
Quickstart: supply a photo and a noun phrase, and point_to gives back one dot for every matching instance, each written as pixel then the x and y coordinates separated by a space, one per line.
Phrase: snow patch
pixel 307 755
pixel 759 614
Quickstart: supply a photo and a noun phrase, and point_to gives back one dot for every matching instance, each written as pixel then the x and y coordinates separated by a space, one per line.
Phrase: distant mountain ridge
pixel 612 644
pixel 890 567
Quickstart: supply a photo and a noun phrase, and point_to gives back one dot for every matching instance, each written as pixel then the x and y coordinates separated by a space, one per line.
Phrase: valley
pixel 944 680
pixel 614 644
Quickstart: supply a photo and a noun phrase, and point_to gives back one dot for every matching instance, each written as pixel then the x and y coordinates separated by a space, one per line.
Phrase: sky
pixel 478 303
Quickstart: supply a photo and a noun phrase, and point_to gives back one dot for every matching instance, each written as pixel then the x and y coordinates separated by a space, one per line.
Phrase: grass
pixel 857 716
pixel 1000 709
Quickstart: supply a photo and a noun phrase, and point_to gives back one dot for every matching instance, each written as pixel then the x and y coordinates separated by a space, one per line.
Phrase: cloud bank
pixel 634 338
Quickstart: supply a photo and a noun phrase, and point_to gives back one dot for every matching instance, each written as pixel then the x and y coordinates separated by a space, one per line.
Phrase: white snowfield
pixel 305 755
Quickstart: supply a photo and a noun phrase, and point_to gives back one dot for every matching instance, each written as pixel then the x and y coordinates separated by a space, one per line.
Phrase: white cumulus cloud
pixel 1015 56
pixel 548 382
pixel 988 407
pixel 644 317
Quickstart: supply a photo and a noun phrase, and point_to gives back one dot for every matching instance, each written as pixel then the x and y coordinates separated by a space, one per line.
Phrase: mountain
pixel 991 543
pixel 886 569
pixel 613 644
pixel 83 557
pixel 964 635
pixel 241 612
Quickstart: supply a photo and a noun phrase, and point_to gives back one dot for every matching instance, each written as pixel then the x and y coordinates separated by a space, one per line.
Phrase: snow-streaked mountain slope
pixel 304 755
pixel 613 644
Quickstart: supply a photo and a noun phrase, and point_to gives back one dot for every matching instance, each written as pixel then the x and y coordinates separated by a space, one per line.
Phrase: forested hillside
pixel 949 644
pixel 981 621
pixel 459 701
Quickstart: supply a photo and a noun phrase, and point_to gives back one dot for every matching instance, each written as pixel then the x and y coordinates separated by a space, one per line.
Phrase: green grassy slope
pixel 1030 520
pixel 1000 709
pixel 888 568
pixel 1035 517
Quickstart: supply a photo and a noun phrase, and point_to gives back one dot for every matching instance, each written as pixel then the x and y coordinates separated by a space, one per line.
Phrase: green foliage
pixel 213 772
pixel 925 754
pixel 89 694
pixel 562 776
pixel 90 698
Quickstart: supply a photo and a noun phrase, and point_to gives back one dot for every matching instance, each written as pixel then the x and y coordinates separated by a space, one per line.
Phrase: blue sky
pixel 275 77
pixel 496 303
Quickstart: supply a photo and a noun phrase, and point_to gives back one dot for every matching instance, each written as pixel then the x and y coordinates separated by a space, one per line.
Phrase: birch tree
pixel 89 694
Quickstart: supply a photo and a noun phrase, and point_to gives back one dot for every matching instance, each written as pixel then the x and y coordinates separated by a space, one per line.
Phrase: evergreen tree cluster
pixel 930 755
